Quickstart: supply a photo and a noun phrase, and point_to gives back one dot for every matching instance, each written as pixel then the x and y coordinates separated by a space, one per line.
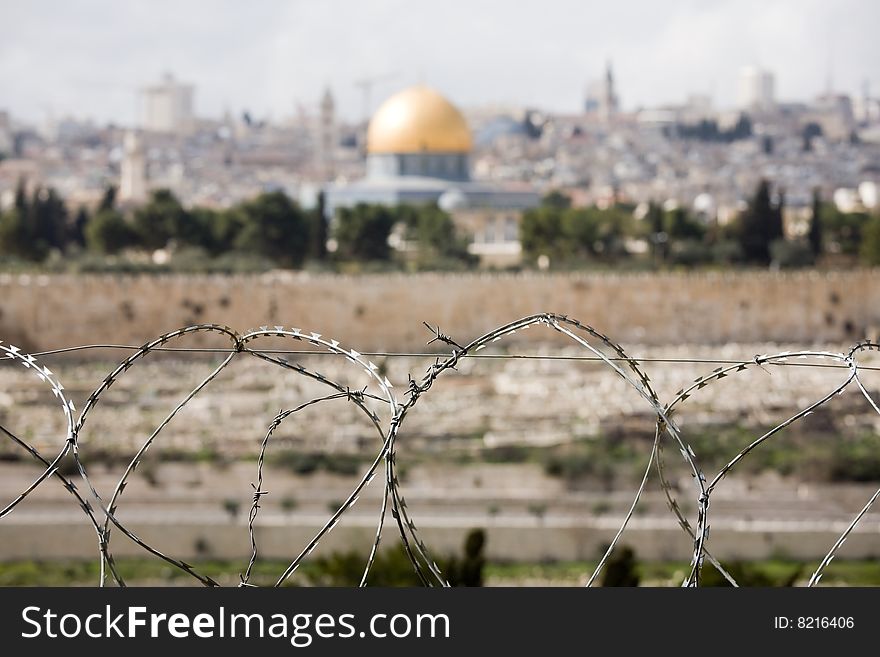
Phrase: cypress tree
pixel 759 224
pixel 776 225
pixel 815 234
pixel 318 229
pixel 108 201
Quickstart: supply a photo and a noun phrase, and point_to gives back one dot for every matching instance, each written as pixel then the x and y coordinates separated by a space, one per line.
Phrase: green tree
pixel 792 253
pixel 556 199
pixel 21 199
pixel 162 219
pixel 655 219
pixel 469 571
pixel 581 231
pixel 35 224
pixel 108 232
pixel 540 232
pixel 776 227
pixel 814 236
pixel 15 236
pixel 760 225
pixel 78 227
pixel 108 200
pixel 614 224
pixel 870 246
pixel 223 227
pixel 318 229
pixel 575 232
pixel 362 232
pixel 680 225
pixel 49 221
pixel 200 229
pixel 274 226
pixel 842 231
pixel 621 569
pixel 434 234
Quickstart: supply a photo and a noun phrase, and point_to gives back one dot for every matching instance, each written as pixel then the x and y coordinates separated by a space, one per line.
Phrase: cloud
pixel 88 58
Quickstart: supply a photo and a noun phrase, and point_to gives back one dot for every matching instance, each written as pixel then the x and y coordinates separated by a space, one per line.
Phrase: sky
pixel 87 58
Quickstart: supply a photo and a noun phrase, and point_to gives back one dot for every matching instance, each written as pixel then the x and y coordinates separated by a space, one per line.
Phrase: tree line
pixel 570 236
pixel 271 226
pixel 276 231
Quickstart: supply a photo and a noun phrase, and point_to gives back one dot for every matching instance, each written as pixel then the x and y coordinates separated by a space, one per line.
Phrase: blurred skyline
pixel 89 58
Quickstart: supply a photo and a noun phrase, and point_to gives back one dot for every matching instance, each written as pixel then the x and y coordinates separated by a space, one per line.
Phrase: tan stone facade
pixel 377 312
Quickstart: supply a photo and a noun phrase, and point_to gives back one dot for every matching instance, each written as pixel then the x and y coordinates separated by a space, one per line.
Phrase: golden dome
pixel 418 120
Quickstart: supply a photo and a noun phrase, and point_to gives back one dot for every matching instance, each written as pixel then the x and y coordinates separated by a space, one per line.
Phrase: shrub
pixel 621 569
pixel 791 253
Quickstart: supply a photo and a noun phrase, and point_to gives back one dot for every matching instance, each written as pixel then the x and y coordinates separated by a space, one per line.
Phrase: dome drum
pixel 446 166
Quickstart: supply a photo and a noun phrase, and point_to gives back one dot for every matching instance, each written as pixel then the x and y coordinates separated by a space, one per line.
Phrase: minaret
pixel 327 136
pixel 608 105
pixel 133 179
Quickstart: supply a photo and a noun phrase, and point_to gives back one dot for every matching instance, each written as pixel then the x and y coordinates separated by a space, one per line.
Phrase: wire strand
pixel 416 354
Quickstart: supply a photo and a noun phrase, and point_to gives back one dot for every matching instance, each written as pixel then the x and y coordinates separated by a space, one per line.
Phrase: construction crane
pixel 366 87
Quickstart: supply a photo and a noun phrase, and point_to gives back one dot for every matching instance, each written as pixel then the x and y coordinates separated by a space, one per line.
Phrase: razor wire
pixel 378 393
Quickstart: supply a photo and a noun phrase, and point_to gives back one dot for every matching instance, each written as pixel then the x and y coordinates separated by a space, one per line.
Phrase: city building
pixel 418 151
pixel 327 137
pixel 833 112
pixel 168 106
pixel 133 170
pixel 7 144
pixel 601 97
pixel 756 89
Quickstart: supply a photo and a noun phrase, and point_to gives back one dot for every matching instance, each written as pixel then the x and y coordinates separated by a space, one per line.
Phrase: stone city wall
pixel 385 312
